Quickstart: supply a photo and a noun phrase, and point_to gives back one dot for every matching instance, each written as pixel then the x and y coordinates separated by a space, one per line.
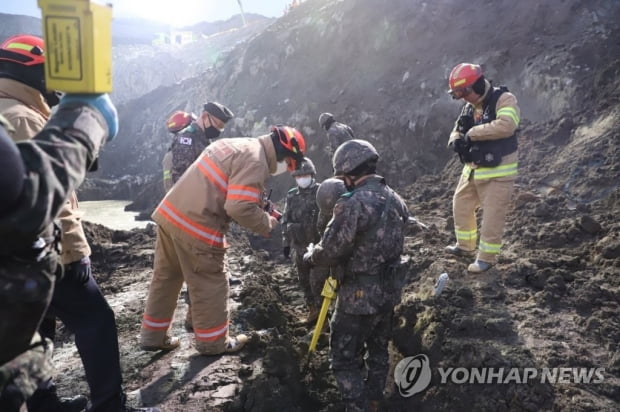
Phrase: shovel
pixel 329 294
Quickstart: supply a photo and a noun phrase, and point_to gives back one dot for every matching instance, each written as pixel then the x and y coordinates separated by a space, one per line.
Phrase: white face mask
pixel 280 168
pixel 304 181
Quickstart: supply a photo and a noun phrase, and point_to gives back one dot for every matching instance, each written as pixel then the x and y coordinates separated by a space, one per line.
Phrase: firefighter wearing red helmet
pixel 484 137
pixel 225 183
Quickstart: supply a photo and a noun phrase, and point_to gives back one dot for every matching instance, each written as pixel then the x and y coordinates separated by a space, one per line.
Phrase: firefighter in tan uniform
pixel 225 183
pixel 485 139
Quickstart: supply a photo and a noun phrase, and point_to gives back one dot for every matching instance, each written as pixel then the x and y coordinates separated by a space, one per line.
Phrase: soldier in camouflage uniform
pixel 34 191
pixel 177 121
pixel 299 230
pixel 337 133
pixel 366 235
pixel 191 141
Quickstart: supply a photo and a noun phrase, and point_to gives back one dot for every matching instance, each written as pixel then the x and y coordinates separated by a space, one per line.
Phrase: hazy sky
pixel 176 12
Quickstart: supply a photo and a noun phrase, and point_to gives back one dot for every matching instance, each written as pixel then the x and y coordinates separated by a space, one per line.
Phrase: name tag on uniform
pixel 185 140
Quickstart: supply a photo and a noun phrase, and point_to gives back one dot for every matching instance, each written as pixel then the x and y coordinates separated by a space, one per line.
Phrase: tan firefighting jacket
pixel 26 109
pixel 505 124
pixel 225 182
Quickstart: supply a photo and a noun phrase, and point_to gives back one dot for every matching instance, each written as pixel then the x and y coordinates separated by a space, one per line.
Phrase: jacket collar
pixel 27 95
pixel 270 152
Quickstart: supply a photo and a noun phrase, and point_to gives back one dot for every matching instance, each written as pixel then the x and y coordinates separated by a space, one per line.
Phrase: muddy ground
pixel 551 301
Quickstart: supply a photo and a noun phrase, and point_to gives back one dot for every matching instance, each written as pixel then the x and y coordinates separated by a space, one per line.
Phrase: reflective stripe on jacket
pixel 225 182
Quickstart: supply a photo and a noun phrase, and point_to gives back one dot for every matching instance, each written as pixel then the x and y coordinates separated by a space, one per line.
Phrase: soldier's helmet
pixel 328 193
pixel 325 120
pixel 306 168
pixel 351 154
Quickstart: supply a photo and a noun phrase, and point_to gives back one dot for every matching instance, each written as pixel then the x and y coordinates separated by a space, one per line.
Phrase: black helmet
pixel 325 120
pixel 306 168
pixel 328 193
pixel 352 154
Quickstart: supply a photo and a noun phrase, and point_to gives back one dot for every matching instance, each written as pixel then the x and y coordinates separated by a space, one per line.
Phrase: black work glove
pixel 286 251
pixel 460 144
pixel 79 270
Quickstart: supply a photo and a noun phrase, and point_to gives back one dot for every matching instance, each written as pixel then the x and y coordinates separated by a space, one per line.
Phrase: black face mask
pixel 212 133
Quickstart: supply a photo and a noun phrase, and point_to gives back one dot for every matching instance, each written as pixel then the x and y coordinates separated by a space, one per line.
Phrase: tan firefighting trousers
pixel 494 196
pixel 202 267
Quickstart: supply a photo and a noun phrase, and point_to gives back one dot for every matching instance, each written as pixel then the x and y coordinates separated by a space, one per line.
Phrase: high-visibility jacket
pixel 25 108
pixel 503 125
pixel 225 182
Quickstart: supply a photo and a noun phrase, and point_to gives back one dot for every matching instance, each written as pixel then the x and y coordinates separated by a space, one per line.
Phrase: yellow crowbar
pixel 329 294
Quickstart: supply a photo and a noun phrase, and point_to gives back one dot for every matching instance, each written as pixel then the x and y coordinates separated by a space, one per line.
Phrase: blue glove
pixel 99 102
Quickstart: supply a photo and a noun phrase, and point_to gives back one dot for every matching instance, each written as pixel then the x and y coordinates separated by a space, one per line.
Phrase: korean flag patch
pixel 185 140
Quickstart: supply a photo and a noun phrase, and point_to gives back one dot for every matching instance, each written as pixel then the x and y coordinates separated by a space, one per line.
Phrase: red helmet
pixel 463 75
pixel 293 142
pixel 23 49
pixel 179 120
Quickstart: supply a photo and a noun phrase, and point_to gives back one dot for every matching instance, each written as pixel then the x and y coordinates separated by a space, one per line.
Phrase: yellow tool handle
pixel 319 324
pixel 329 293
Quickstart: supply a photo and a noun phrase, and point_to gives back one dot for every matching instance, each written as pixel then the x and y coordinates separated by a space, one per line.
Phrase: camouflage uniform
pixel 337 134
pixel 187 146
pixel 28 257
pixel 366 232
pixel 298 231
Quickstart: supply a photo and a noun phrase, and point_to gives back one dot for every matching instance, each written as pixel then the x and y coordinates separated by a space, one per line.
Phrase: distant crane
pixel 242 15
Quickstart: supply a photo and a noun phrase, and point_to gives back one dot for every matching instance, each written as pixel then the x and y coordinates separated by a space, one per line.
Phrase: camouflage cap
pixel 352 154
pixel 328 193
pixel 306 168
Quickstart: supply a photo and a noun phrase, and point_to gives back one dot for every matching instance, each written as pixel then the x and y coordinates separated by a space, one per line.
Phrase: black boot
pixel 47 400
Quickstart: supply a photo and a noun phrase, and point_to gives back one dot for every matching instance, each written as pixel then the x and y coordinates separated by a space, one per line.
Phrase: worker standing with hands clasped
pixel 225 183
pixel 366 235
pixel 484 136
pixel 299 230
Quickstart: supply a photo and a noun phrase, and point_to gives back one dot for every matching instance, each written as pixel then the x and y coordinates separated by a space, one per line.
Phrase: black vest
pixel 489 153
